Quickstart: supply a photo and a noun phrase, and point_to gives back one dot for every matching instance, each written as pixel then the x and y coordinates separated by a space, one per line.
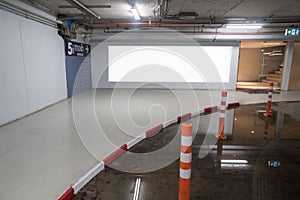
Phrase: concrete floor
pixel 43 154
pixel 279 141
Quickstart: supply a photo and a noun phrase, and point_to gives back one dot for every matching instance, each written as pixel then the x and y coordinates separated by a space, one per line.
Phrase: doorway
pixel 260 63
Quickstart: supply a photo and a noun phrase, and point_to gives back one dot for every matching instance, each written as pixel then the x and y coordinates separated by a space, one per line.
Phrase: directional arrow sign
pixel 292 31
pixel 76 49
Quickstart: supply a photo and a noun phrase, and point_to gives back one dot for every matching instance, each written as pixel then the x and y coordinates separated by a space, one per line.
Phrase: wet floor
pixel 259 160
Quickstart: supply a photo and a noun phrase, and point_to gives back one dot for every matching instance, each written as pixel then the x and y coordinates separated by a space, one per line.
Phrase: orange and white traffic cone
pixel 185 162
pixel 221 134
pixel 269 103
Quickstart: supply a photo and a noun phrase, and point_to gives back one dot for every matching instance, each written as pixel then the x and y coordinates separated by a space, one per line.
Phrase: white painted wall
pixel 32 67
pixel 100 61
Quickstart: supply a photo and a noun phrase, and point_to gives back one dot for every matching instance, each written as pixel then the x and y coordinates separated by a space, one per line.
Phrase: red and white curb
pixel 114 155
pixel 170 122
pixel 184 117
pixel 87 177
pixel 135 140
pixel 232 105
pixel 197 112
pixel 154 130
pixel 210 109
pixel 70 192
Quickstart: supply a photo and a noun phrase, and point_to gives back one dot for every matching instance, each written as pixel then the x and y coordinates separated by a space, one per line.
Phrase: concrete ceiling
pixel 119 9
pixel 206 19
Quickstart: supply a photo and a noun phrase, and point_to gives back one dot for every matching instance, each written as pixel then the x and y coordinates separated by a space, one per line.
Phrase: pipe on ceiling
pixel 163 7
pixel 84 8
pixel 195 23
pixel 152 23
pixel 206 32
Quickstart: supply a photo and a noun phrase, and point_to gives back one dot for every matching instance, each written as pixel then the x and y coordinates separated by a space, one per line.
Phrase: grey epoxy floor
pixel 41 155
pixel 251 140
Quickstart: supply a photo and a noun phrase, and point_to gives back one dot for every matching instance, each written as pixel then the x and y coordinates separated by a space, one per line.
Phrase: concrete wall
pixel 294 83
pixel 249 64
pixel 32 69
pixel 273 62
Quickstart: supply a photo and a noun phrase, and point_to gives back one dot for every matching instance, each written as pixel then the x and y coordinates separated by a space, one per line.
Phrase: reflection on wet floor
pixel 260 159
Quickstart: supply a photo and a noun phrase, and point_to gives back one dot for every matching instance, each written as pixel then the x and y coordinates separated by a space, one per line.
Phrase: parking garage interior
pixel 94 94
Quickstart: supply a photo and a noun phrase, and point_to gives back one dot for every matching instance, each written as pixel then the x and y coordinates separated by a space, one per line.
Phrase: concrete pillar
pixel 279 121
pixel 288 57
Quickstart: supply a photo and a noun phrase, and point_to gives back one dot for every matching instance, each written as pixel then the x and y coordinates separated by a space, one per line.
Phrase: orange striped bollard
pixel 266 130
pixel 269 103
pixel 185 162
pixel 221 134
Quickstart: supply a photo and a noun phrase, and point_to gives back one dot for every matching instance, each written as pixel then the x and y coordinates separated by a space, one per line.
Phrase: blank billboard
pixel 189 64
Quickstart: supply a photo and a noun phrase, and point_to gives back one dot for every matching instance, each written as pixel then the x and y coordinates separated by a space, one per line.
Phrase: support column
pixel 288 58
pixel 279 122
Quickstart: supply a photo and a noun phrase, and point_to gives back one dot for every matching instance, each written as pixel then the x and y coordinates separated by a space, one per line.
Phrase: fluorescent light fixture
pixel 234 166
pixel 137 189
pixel 135 13
pixel 243 26
pixel 270 44
pixel 234 161
pixel 276 54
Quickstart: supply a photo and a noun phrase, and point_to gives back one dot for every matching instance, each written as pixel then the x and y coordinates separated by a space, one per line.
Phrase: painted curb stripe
pixel 113 156
pixel 168 123
pixel 184 117
pixel 154 130
pixel 68 195
pixel 197 112
pixel 234 104
pixel 210 109
pixel 87 177
pixel 135 140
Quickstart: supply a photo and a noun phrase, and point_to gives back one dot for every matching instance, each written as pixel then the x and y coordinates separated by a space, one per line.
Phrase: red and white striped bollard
pixel 185 162
pixel 221 134
pixel 269 103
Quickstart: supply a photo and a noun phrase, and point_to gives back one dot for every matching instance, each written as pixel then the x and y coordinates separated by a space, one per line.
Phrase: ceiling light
pixel 234 161
pixel 270 44
pixel 137 189
pixel 135 13
pixel 268 53
pixel 243 26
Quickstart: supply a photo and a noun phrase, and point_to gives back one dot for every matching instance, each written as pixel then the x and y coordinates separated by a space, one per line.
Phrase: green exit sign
pixel 292 31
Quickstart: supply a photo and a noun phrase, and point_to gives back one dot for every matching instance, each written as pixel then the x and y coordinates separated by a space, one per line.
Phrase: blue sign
pixel 292 31
pixel 77 49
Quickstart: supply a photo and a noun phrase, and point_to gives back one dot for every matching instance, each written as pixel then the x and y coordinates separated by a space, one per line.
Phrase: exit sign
pixel 292 31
